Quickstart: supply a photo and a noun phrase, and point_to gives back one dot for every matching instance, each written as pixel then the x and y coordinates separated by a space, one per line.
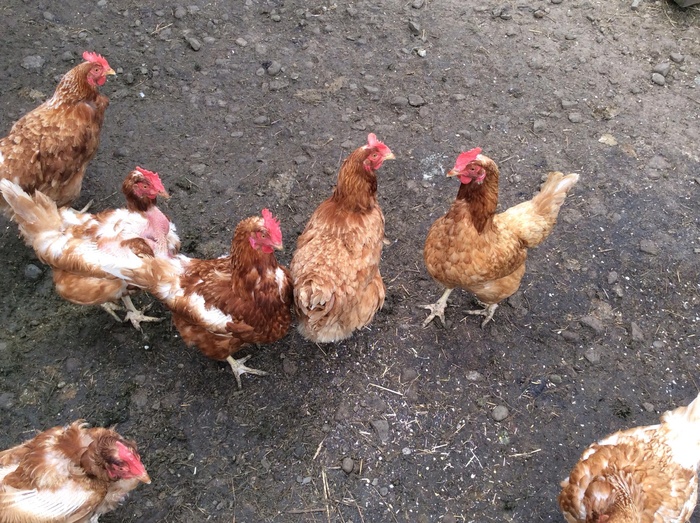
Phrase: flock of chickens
pixel 333 286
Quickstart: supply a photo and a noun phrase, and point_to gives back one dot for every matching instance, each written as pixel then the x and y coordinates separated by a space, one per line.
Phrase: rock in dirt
pixel 180 12
pixel 658 79
pixel 648 247
pixel 7 400
pixel 381 427
pixel 594 323
pixel 32 62
pixel 593 354
pixel 415 100
pixel 347 465
pixel 662 68
pixel 637 334
pixel 32 272
pixel 195 44
pixel 499 413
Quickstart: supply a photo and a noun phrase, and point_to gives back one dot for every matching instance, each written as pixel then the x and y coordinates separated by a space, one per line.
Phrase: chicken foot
pixel 437 309
pixel 111 309
pixel 487 311
pixel 136 316
pixel 238 369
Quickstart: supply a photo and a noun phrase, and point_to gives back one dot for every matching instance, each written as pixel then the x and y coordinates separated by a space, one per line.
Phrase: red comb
pixel 126 454
pixel 152 178
pixel 273 226
pixel 373 143
pixel 95 59
pixel 466 157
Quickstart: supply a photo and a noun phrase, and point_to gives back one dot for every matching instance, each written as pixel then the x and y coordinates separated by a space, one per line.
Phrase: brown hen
pixel 70 474
pixel 476 249
pixel 49 148
pixel 223 304
pixel 337 284
pixel 641 475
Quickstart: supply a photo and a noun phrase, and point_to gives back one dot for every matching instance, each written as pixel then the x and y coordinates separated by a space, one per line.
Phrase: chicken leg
pixel 238 369
pixel 134 315
pixel 487 311
pixel 437 308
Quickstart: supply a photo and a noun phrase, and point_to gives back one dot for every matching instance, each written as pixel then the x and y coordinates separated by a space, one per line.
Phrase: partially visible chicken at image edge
pixel 476 249
pixel 49 148
pixel 68 474
pixel 337 284
pixel 640 475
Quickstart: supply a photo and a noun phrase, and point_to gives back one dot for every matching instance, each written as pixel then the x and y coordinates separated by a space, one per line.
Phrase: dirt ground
pixel 252 104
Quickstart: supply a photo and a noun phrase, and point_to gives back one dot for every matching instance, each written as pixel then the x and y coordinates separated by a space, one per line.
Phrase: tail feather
pixel 688 414
pixel 553 193
pixel 534 219
pixel 34 214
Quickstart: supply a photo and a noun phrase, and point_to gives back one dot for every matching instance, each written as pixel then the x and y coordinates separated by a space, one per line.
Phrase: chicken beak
pixel 110 72
pixel 452 172
pixel 390 156
pixel 144 478
pixel 164 194
pixel 279 247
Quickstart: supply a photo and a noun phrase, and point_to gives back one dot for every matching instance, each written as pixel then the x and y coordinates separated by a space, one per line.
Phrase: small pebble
pixel 414 27
pixel 662 68
pixel 417 4
pixel 575 117
pixel 649 407
pixel 195 44
pixel 32 62
pixel 241 42
pixel 658 79
pixel 275 68
pixel 347 465
pixel 381 427
pixel 499 413
pixel 32 272
pixel 415 100
pixel 593 354
pixel 48 16
pixel 180 12
pixel 649 247
pixel 677 58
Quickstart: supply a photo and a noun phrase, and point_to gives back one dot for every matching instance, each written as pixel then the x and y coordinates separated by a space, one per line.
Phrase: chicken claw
pixel 437 308
pixel 136 316
pixel 238 369
pixel 487 312
pixel 111 309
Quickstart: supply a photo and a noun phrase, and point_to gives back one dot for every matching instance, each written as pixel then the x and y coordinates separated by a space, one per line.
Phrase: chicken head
pixel 467 167
pixel 378 152
pixel 267 235
pixel 97 75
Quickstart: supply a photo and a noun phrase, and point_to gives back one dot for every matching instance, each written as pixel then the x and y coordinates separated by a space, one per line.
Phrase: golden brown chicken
pixel 641 475
pixel 223 304
pixel 49 148
pixel 335 268
pixel 68 474
pixel 476 249
pixel 75 244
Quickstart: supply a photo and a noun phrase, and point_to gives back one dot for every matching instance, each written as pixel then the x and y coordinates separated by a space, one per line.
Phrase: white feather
pixel 54 505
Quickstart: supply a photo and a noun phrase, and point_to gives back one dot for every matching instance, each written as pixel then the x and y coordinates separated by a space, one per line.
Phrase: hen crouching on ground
pixel 476 249
pixel 68 474
pixel 337 284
